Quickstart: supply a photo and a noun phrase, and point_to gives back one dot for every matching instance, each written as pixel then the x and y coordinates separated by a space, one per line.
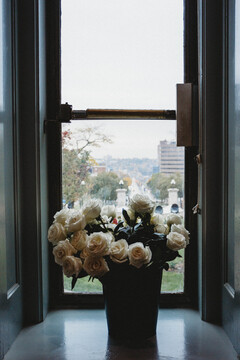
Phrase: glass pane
pixel 121 53
pixel 99 155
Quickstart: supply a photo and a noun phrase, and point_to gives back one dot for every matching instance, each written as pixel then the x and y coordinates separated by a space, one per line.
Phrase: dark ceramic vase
pixel 132 301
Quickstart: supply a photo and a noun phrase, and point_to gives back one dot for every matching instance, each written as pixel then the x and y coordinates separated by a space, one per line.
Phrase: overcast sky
pixel 145 136
pixel 124 54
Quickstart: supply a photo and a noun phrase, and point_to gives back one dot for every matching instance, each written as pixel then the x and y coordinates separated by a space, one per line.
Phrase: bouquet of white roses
pixel 90 242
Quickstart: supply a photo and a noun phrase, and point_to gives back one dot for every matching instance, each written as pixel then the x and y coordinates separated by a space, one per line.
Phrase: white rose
pixel 109 211
pixel 98 244
pixel 119 251
pixel 142 204
pixel 77 225
pixel 72 265
pixel 96 267
pixel 63 249
pixel 79 239
pixel 84 253
pixel 105 219
pixel 173 219
pixel 138 254
pixel 56 232
pixel 161 229
pixel 156 219
pixel 92 210
pixel 62 216
pixel 176 241
pixel 181 230
pixel 75 215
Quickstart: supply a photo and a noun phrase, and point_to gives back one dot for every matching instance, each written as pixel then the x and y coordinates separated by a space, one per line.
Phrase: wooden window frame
pixel 59 299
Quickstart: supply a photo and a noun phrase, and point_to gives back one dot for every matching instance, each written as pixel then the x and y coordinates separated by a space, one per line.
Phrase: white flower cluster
pixel 177 235
pixel 76 249
pixel 94 247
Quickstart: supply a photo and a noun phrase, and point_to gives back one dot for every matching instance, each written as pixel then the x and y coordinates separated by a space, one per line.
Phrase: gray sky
pixel 145 136
pixel 124 54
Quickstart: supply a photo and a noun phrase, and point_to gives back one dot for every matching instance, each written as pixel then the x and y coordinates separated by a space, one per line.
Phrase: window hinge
pixel 198 159
pixel 196 209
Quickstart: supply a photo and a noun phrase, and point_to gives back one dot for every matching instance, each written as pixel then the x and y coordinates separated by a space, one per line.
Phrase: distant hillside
pixel 140 169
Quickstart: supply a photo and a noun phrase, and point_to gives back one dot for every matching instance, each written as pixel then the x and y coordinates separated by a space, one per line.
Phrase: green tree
pixel 104 186
pixel 77 160
pixel 75 168
pixel 160 183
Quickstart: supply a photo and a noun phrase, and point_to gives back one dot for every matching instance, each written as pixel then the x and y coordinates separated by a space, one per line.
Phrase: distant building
pixel 170 157
pixel 98 169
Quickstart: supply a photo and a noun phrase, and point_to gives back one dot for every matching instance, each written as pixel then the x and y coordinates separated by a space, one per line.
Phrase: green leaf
pixel 74 280
pixel 126 217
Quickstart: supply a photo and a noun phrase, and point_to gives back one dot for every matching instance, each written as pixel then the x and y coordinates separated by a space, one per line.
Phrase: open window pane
pixel 101 156
pixel 121 53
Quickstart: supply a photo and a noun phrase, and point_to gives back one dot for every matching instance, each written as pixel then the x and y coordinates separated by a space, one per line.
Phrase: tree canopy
pixel 104 186
pixel 77 160
pixel 160 183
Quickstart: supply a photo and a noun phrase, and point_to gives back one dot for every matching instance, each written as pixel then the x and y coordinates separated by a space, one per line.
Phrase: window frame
pixel 58 298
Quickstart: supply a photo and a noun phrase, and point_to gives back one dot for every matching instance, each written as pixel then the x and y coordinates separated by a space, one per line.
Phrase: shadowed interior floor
pixel 82 335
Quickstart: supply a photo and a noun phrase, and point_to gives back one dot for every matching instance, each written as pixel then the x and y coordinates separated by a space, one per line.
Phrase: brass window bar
pixel 123 114
pixel 66 114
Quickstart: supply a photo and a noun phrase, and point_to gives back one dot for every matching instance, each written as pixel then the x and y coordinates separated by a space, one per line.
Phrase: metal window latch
pixel 65 113
pixel 64 116
pixel 196 209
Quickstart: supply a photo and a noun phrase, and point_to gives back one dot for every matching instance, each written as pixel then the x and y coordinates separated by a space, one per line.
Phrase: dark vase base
pixel 132 303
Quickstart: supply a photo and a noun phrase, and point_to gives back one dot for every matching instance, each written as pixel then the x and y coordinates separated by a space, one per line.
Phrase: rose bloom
pixel 156 219
pixel 79 239
pixel 72 265
pixel 75 215
pixel 56 233
pixel 84 253
pixel 98 243
pixel 139 255
pixel 109 211
pixel 141 204
pixel 174 219
pixel 63 249
pixel 181 230
pixel 76 223
pixel 119 251
pixel 62 216
pixel 105 219
pixel 161 229
pixel 92 210
pixel 176 241
pixel 96 267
